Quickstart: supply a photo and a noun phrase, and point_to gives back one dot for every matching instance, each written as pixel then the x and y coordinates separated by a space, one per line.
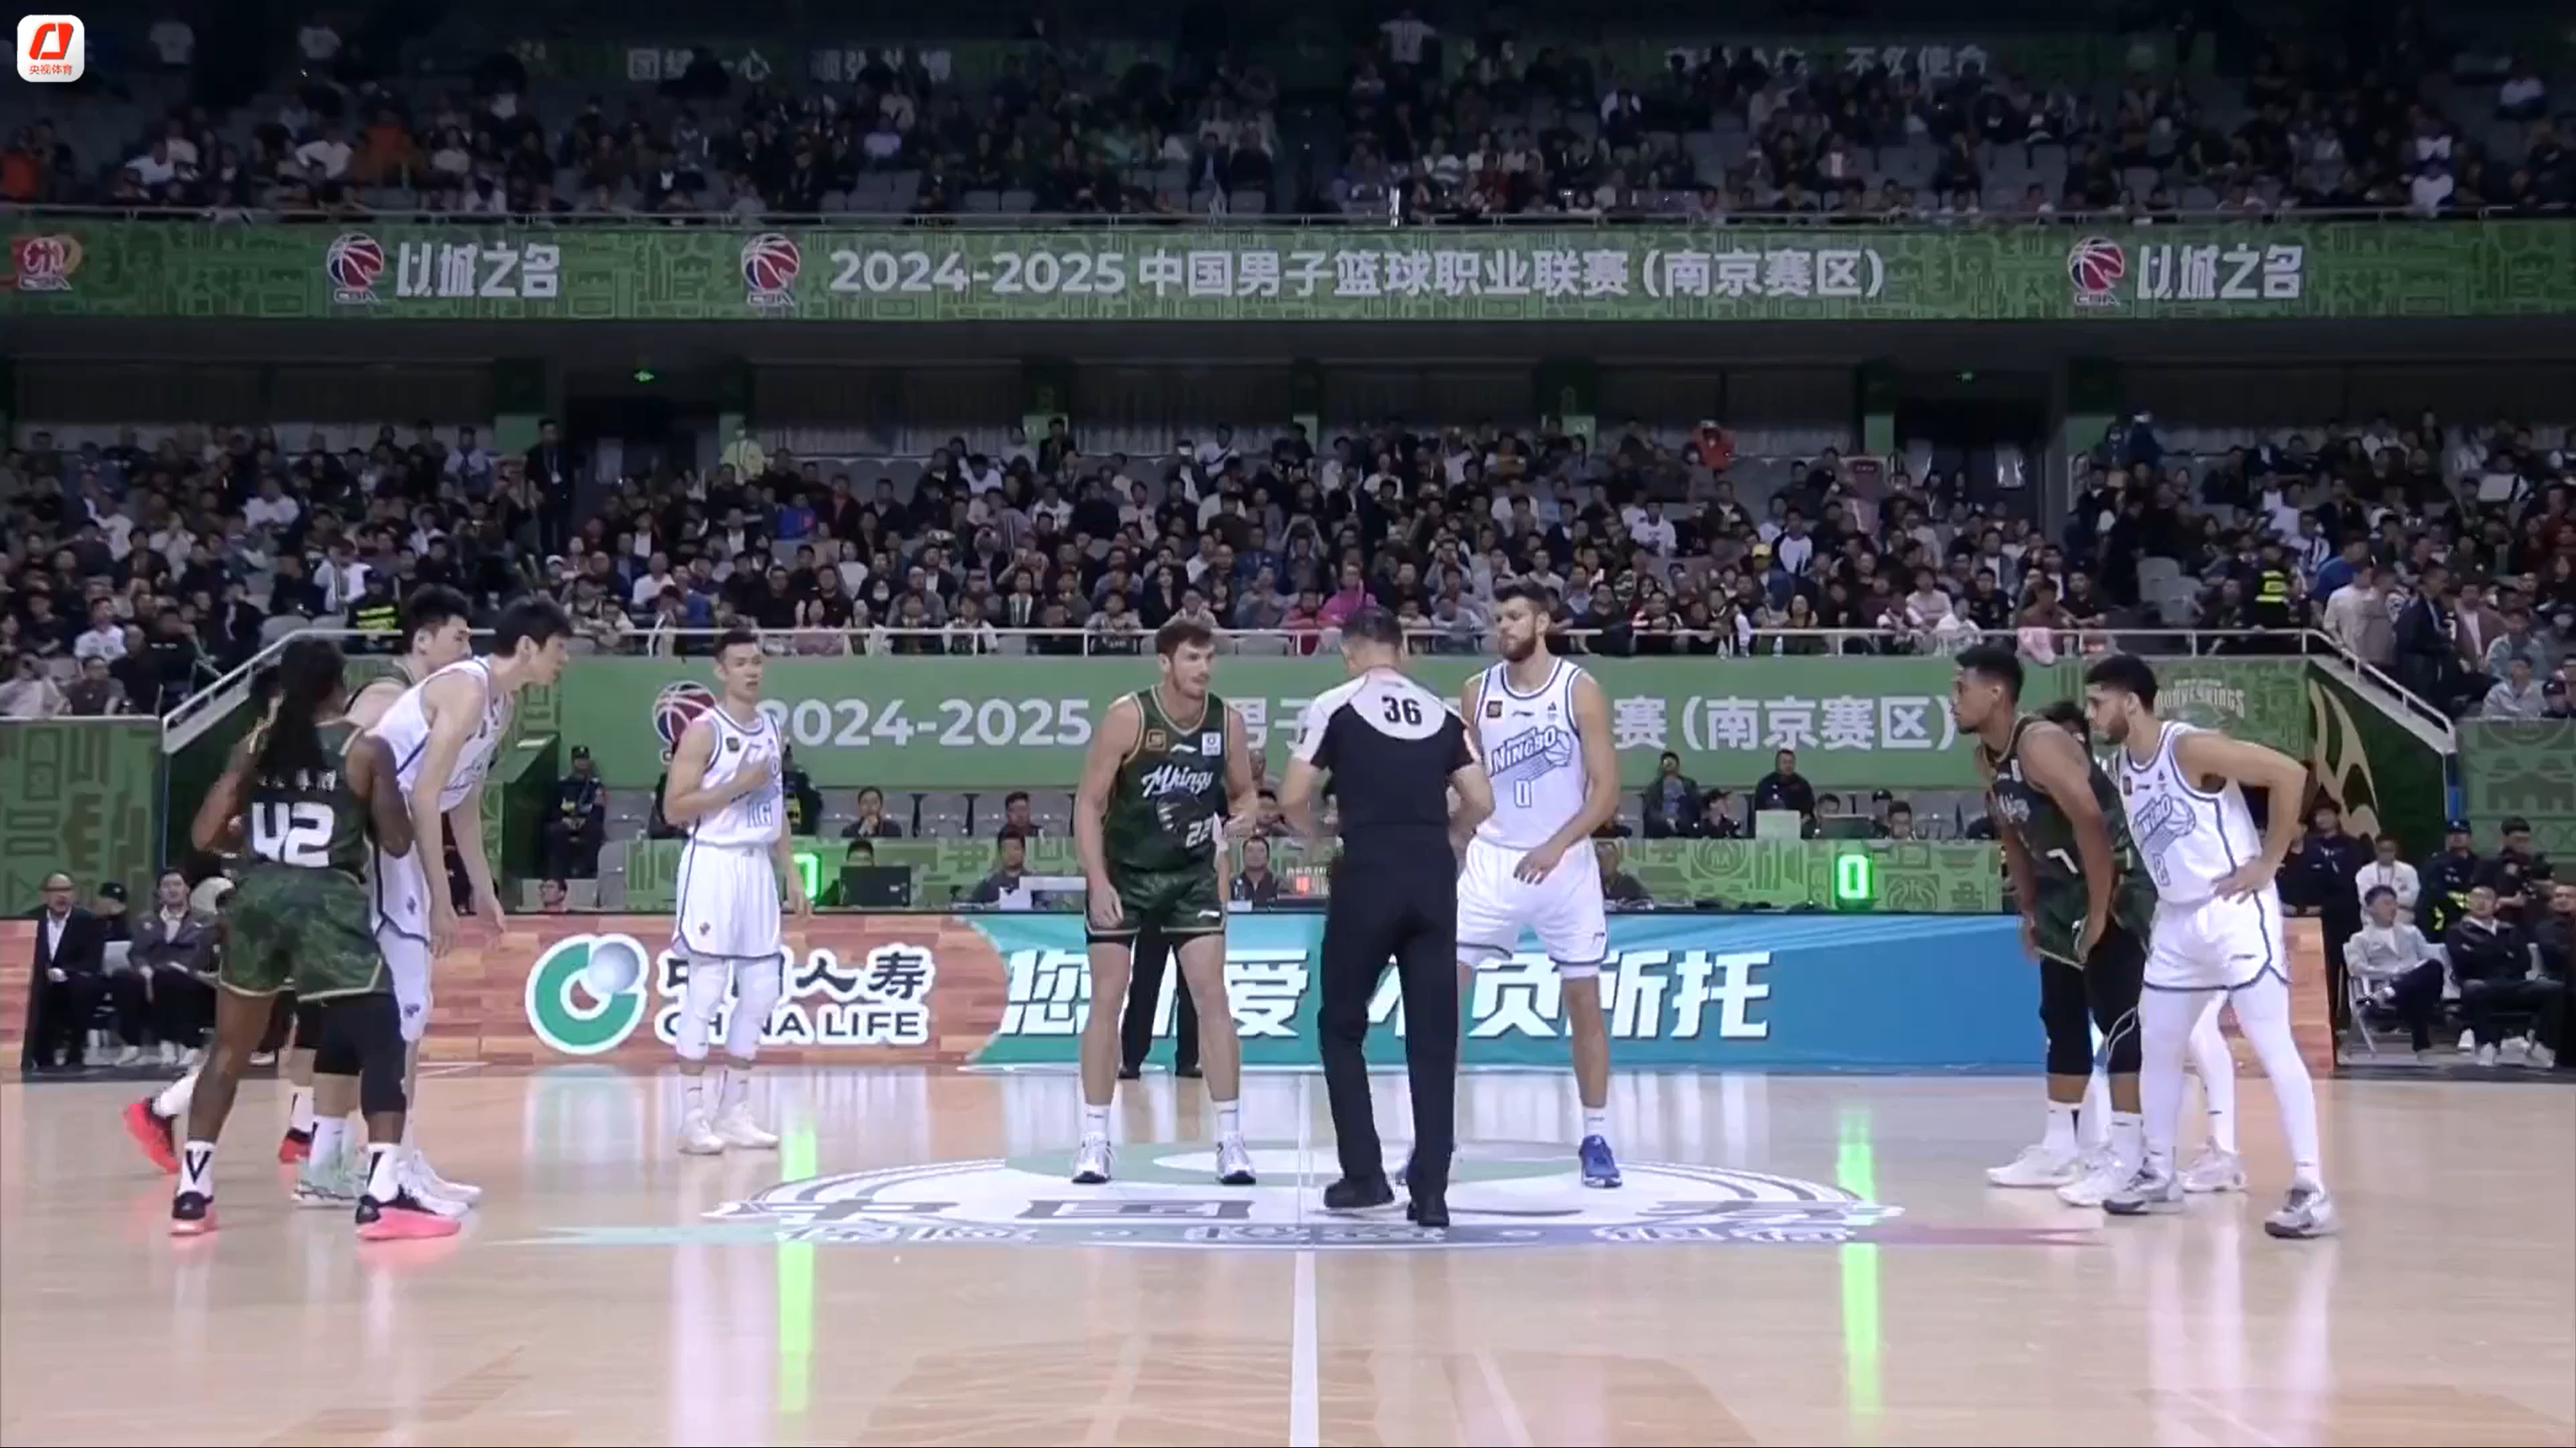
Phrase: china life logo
pixel 52 49
pixel 588 994
pixel 584 996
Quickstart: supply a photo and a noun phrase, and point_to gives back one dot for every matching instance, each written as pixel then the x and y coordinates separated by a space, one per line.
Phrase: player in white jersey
pixel 2217 927
pixel 1541 728
pixel 445 731
pixel 724 789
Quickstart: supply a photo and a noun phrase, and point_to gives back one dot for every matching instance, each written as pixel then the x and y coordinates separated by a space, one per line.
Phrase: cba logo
pixel 2095 266
pixel 52 49
pixel 675 709
pixel 770 262
pixel 42 263
pixel 1502 1195
pixel 353 261
pixel 586 995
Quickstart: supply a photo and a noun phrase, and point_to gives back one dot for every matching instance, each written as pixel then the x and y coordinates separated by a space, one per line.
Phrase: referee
pixel 1394 751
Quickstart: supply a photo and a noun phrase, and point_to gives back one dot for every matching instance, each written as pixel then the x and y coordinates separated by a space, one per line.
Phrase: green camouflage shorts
pixel 1177 903
pixel 312 930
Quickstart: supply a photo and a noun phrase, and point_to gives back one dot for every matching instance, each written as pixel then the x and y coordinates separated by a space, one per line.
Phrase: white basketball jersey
pixel 1531 752
pixel 405 729
pixel 2189 838
pixel 755 818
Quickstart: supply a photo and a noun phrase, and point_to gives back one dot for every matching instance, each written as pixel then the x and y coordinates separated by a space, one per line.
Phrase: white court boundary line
pixel 1305 1415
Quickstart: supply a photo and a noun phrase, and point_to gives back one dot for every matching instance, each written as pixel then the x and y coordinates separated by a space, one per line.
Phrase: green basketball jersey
pixel 2047 839
pixel 1166 807
pixel 311 820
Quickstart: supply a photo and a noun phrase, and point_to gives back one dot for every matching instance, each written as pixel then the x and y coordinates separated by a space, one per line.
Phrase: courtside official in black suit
pixel 1394 752
pixel 70 945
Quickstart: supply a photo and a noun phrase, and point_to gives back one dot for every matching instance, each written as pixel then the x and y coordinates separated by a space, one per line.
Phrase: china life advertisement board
pixel 1920 993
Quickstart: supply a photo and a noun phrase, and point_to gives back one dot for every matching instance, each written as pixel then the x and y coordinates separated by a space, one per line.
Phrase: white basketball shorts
pixel 1563 910
pixel 729 906
pixel 2217 944
pixel 402 935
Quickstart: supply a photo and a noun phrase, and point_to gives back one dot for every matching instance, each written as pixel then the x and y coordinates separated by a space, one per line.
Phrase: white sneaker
pixel 2468 1041
pixel 2214 1171
pixel 1233 1163
pixel 192 1058
pixel 1091 1161
pixel 424 1186
pixel 2038 1165
pixel 2543 1057
pixel 129 1056
pixel 738 1129
pixel 425 1179
pixel 698 1136
pixel 331 1183
pixel 169 1053
pixel 2487 1054
pixel 2103 1175
pixel 2306 1212
pixel 2151 1190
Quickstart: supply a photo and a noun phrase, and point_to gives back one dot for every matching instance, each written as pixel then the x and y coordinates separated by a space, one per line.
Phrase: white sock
pixel 2217 1068
pixel 2128 1136
pixel 173 1101
pixel 197 1168
pixel 737 1086
pixel 2263 1015
pixel 2165 1019
pixel 410 1136
pixel 384 1177
pixel 299 1110
pixel 2093 1127
pixel 1229 1119
pixel 693 1093
pixel 2061 1128
pixel 1596 1121
pixel 1095 1120
pixel 327 1134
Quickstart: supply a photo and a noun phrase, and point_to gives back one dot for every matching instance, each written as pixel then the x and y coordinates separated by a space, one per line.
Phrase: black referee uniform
pixel 1391 746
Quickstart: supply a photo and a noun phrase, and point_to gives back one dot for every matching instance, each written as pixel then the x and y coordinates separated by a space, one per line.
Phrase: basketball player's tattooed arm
pixel 2057 765
pixel 1242 781
pixel 2201 756
pixel 1600 783
pixel 373 778
pixel 1117 738
pixel 2016 866
pixel 212 830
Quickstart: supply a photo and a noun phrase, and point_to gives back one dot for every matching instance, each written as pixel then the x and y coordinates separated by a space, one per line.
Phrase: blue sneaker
pixel 1600 1168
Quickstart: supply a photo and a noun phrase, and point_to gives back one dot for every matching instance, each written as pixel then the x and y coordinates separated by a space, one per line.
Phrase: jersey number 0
pixel 292 834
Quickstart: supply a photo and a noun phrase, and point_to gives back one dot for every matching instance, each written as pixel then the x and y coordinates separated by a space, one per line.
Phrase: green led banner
pixel 620 272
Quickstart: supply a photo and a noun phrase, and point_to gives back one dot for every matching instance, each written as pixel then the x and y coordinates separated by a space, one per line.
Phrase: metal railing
pixel 1374 219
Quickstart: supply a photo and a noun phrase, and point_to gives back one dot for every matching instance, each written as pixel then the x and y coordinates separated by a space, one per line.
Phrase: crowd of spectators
pixel 2445 555
pixel 135 573
pixel 1458 126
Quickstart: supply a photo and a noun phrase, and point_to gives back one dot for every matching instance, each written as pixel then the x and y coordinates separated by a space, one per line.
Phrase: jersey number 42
pixel 296 833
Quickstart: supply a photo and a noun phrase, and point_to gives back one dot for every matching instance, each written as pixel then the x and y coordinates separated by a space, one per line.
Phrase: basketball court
pixel 1791 1260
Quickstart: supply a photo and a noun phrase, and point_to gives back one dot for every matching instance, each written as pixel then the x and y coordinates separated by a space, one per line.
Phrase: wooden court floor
pixel 1792 1260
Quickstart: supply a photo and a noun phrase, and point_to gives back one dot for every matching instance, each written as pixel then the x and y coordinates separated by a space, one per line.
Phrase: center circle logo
pixel 1502 1194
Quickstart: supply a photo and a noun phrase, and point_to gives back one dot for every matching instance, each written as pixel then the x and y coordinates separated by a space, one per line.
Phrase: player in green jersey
pixel 2084 912
pixel 306 789
pixel 1168 780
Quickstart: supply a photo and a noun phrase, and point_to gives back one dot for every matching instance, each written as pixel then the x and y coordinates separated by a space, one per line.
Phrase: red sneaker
pixel 152 1134
pixel 295 1146
pixel 402 1220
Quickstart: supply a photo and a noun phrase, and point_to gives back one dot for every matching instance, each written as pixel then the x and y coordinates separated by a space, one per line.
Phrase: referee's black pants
pixel 1401 907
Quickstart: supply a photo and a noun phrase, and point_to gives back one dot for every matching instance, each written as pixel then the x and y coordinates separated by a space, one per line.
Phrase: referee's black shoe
pixel 1430 1212
pixel 1357 1194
